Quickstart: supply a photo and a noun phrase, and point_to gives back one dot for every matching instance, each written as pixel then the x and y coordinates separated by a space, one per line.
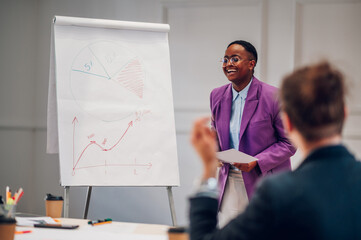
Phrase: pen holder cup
pixel 8 210
pixel 7 228
pixel 53 206
pixel 178 233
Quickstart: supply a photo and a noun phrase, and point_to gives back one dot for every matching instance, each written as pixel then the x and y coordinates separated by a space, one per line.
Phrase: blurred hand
pixel 246 167
pixel 204 141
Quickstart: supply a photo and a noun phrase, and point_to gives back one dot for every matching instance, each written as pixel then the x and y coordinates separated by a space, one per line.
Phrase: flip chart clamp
pixel 87 201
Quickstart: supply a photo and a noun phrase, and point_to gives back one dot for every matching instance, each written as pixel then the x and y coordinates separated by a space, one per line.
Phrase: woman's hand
pixel 246 167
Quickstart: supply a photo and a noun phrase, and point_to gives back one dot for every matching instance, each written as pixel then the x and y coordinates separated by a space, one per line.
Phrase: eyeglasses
pixel 233 60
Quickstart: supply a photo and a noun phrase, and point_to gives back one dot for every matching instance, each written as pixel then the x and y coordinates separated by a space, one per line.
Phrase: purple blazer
pixel 261 134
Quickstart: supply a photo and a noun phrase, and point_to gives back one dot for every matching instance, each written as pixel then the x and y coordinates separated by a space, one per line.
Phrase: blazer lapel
pixel 249 106
pixel 225 108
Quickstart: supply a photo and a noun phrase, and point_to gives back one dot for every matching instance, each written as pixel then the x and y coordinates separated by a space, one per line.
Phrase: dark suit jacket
pixel 319 200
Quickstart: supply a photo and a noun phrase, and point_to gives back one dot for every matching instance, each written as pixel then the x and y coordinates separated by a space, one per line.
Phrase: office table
pixel 114 230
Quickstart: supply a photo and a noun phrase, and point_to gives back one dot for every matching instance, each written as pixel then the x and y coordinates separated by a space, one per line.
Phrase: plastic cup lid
pixel 6 220
pixel 52 197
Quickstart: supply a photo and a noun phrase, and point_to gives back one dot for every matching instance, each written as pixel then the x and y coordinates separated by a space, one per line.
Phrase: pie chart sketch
pixel 107 81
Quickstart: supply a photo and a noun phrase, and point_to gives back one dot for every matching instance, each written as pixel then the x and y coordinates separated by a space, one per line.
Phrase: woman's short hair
pixel 248 47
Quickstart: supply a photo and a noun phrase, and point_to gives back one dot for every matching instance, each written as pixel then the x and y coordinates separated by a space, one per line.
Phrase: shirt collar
pixel 243 93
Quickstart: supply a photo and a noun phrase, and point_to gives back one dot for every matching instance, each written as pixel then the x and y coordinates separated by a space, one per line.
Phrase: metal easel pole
pixel 66 202
pixel 171 205
pixel 86 209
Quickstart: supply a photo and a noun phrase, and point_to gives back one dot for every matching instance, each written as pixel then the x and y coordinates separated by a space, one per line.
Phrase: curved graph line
pixel 101 148
pixel 130 124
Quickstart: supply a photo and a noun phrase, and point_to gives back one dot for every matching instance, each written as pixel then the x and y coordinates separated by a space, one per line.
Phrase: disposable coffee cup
pixel 53 205
pixel 178 233
pixel 7 228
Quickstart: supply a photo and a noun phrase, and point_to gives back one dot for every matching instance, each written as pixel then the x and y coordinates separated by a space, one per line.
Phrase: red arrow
pixel 130 124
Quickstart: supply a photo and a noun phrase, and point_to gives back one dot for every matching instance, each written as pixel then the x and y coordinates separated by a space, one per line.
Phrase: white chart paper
pixel 114 104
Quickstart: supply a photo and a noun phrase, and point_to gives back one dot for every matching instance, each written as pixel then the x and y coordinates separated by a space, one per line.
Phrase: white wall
pixel 287 33
pixel 17 95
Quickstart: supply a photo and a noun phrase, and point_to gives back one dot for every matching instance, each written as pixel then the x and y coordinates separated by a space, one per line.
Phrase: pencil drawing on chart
pixel 79 161
pixel 105 77
pixel 107 83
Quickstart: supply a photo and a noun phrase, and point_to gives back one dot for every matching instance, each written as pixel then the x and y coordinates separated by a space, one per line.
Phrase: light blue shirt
pixel 239 99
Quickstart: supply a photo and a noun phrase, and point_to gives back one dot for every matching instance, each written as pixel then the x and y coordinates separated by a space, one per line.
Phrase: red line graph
pixel 101 148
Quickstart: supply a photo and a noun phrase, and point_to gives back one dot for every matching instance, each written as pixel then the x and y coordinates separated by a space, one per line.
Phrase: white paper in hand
pixel 234 156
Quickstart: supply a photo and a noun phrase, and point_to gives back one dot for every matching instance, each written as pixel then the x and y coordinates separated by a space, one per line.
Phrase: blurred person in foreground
pixel 321 199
